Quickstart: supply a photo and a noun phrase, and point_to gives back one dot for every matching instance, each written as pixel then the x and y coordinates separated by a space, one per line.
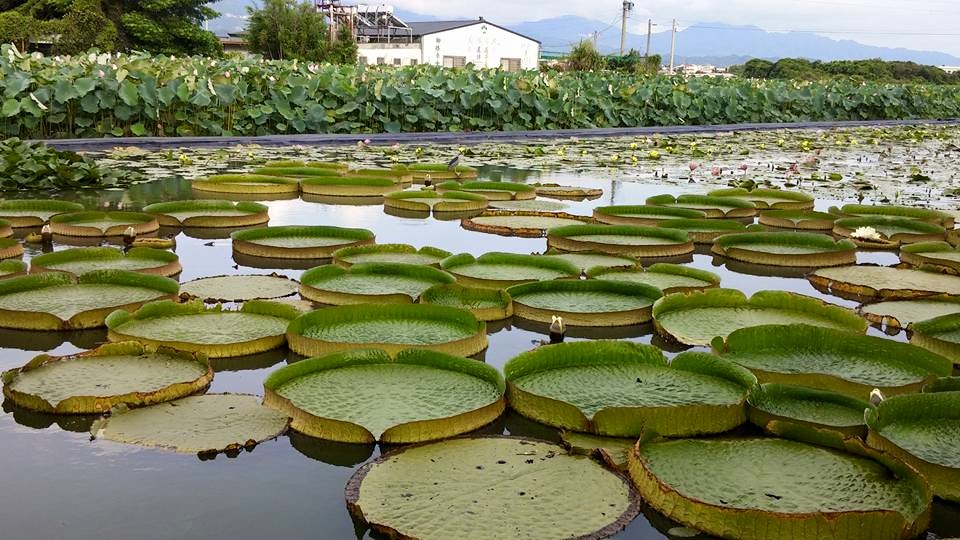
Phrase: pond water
pixel 59 484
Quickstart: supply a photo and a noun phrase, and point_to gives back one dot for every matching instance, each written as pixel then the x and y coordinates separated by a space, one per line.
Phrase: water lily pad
pixel 99 224
pixel 213 290
pixel 247 184
pixel 940 335
pixel 257 327
pixel 866 282
pixel 6 230
pixel 426 202
pixel 519 223
pixel 704 231
pixel 669 278
pixel 365 396
pixel 621 240
pixel 924 431
pixel 572 193
pixel 643 215
pixel 712 207
pixel 60 301
pixel 529 205
pixel 803 220
pixel 793 489
pixel 614 451
pixel 769 198
pixel 494 191
pixel 349 186
pixel 208 213
pixel 892 231
pixel 621 389
pixel 385 283
pixel 79 261
pixel 437 171
pixel 21 213
pixel 391 327
pixel 301 169
pixel 389 253
pixel 197 424
pixel 514 485
pixel 898 314
pixel 115 374
pixel 12 268
pixel 939 255
pixel 10 248
pixel 832 360
pixel 792 249
pixel 585 303
pixel 773 406
pixel 502 270
pixel 485 304
pixel 697 318
pixel 586 260
pixel 928 215
pixel 298 242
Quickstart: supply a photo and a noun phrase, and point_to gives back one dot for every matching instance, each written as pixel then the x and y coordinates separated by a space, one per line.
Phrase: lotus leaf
pixel 803 220
pixel 429 201
pixel 251 184
pixel 529 205
pixel 218 289
pixel 893 231
pixel 832 360
pixel 792 249
pixel 34 213
pixel 385 283
pixel 494 191
pixel 621 240
pixel 939 255
pixel 769 198
pixel 197 424
pixel 98 380
pixel 208 213
pixel 864 282
pixel 669 278
pixel 502 270
pixel 298 242
pixel 585 303
pixel 586 260
pixel 643 215
pixel 704 231
pixel 365 396
pixel 772 406
pixel 713 207
pixel 519 223
pixel 79 261
pixel 940 335
pixel 921 214
pixel 485 304
pixel 898 314
pixel 622 389
pixel 10 248
pixel 389 253
pixel 697 318
pixel 519 487
pixel 103 223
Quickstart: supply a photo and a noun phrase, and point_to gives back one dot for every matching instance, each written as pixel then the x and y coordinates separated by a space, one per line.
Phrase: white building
pixel 444 43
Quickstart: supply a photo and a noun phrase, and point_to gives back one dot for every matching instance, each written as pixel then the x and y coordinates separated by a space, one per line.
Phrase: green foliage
pixel 85 26
pixel 36 166
pixel 294 30
pixel 634 62
pixel 867 70
pixel 23 29
pixel 585 57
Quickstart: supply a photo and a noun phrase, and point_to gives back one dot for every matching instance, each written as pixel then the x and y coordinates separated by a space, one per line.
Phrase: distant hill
pixel 707 43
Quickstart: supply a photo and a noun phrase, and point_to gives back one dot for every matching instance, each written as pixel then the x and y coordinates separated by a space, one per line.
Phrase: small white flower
pixel 195 73
pixel 245 70
pixel 271 79
pixel 866 233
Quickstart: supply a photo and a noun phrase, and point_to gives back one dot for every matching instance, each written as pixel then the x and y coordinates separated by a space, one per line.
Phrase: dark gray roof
pixel 432 27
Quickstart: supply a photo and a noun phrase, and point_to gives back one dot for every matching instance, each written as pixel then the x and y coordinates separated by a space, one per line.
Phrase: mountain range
pixel 705 43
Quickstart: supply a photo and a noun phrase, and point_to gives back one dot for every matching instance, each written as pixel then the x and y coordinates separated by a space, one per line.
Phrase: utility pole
pixel 649 32
pixel 673 44
pixel 627 8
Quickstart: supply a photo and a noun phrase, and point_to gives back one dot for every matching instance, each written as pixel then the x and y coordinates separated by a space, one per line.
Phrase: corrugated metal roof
pixel 432 27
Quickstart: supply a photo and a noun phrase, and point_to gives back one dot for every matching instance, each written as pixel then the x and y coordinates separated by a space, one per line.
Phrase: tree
pixel 288 29
pixel 634 62
pixel 585 57
pixel 22 30
pixel 344 49
pixel 85 26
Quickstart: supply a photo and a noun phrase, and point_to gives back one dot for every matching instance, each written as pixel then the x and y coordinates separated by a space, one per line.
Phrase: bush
pixel 36 166
pixel 292 30
pixel 585 57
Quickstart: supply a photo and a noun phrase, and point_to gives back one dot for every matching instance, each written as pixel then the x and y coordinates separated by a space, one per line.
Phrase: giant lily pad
pixel 585 303
pixel 257 327
pixel 769 198
pixel 928 215
pixel 621 389
pixel 803 220
pixel 6 230
pixel 10 248
pixel 219 289
pixel 713 207
pixel 519 487
pixel 775 406
pixel 697 318
pixel 197 424
pixel 34 213
pixel 939 255
pixel 208 213
pixel 585 260
pixel 669 278
pixel 301 169
pixel 792 249
pixel 898 314
pixel 940 335
pixel 643 215
pixel 502 270
pixel 621 240
pixel 485 304
pixel 519 223
pixel 924 431
pixel 425 202
pixel 349 186
pixel 572 193
pixel 529 205
pixel 389 253
pixel 792 489
pixel 892 231
pixel 832 360
pixel 613 451
pixel 437 171
pixel 60 301
pixel 115 374
pixel 102 223
pixel 365 396
pixel 866 282
pixel 298 242
pixel 79 261
pixel 385 283
pixel 391 327
pixel 494 191
pixel 12 268
pixel 704 231
pixel 248 184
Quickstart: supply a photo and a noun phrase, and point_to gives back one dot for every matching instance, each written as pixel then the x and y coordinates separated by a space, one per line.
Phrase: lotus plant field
pixel 740 335
pixel 136 95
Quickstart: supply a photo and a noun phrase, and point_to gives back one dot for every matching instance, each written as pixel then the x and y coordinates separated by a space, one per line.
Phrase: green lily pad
pixel 79 261
pixel 614 451
pixel 437 171
pixel 920 214
pixel 769 198
pixel 804 220
pixel 250 184
pixel 301 169
pixel 197 424
pixel 893 231
pixel 6 230
pixel 102 223
pixel 591 303
pixel 257 327
pixel 365 396
pixel 428 201
pixel 506 484
pixel 96 381
pixel 704 231
pixel 21 213
pixel 697 318
pixel 899 314
pixel 385 283
pixel 622 389
pixel 643 215
pixel 669 278
pixel 10 248
pixel 571 193
pixel 522 223
pixel 865 282
pixel 940 335
pixel 791 249
pixel 208 213
pixel 389 253
pixel 773 406
pixel 298 242
pixel 485 304
pixel 832 360
pixel 939 255
pixel 213 290
pixel 529 205
pixel 713 207
pixel 349 186
pixel 494 191
pixel 502 270
pixel 586 260
pixel 12 268
pixel 621 240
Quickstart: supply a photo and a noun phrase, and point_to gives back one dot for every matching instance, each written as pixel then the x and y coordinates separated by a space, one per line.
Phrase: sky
pixel 914 24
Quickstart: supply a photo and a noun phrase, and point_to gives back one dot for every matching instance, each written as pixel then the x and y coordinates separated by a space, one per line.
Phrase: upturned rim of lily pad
pixel 72 224
pixel 497 304
pixel 254 213
pixel 311 282
pixel 167 262
pixel 831 252
pixel 245 242
pixel 20 221
pixel 680 242
pixel 624 317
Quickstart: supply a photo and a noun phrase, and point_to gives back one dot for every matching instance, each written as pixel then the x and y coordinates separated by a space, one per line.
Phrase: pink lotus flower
pixel 693 166
pixel 744 167
pixel 716 171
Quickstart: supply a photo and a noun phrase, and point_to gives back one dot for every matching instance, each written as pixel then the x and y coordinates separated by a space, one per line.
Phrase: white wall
pixel 483 45
pixel 390 52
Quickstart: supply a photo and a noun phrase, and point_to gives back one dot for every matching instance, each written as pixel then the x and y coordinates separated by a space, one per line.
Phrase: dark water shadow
pixel 76 423
pixel 249 362
pixel 271 263
pixel 32 340
pixel 762 270
pixel 588 332
pixel 333 453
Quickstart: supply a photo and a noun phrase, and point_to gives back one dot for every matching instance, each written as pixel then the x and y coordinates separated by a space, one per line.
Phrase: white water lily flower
pixel 92 57
pixel 38 102
pixel 245 70
pixel 866 233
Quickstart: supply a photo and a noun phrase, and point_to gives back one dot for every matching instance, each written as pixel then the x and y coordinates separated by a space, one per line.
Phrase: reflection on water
pixel 76 423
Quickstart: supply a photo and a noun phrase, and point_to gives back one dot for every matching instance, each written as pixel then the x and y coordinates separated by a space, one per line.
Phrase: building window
pixel 413 62
pixel 397 62
pixel 381 60
pixel 454 61
pixel 363 60
pixel 510 64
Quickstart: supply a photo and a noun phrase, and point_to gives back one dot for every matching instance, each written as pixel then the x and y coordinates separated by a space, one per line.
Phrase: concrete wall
pixel 406 53
pixel 483 45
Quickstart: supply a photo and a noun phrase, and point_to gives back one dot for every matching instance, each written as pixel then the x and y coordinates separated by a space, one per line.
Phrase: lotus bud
pixel 693 166
pixel 716 171
pixel 876 397
pixel 129 236
pixel 46 234
pixel 557 329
